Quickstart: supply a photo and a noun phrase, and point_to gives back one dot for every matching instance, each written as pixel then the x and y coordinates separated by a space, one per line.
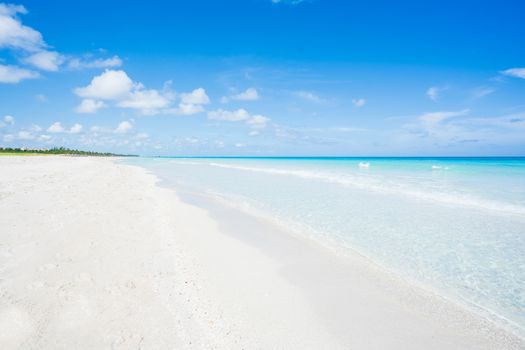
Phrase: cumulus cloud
pixel 515 72
pixel 359 102
pixel 249 94
pixel 45 60
pixel 148 101
pixel 89 105
pixel 117 87
pixel 56 127
pixel 254 121
pixel 9 119
pixel 110 85
pixel 190 103
pixel 15 35
pixel 75 129
pixel 14 74
pixel 196 97
pixel 258 121
pixel 29 47
pixel 27 41
pixel 123 127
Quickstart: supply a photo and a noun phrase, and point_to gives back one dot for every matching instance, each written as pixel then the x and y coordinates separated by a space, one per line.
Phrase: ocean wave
pixel 390 188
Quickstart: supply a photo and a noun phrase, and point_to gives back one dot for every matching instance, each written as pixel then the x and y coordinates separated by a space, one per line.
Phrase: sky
pixel 264 77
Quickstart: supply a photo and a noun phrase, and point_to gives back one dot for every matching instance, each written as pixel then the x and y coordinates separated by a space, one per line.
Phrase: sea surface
pixel 455 225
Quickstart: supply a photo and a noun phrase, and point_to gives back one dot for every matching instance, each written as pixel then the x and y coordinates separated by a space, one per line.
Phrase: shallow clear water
pixel 456 225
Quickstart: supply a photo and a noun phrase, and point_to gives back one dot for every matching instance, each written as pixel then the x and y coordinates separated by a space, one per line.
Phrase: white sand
pixel 94 255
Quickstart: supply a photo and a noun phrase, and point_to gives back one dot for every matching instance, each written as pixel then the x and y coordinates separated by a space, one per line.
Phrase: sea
pixel 452 225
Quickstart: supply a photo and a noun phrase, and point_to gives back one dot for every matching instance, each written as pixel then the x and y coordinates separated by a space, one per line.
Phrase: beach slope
pixel 94 255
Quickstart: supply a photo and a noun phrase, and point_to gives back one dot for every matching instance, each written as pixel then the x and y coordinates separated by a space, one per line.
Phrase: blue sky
pixel 264 77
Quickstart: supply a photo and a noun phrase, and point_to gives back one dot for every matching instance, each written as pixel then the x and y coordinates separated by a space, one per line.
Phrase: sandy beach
pixel 95 254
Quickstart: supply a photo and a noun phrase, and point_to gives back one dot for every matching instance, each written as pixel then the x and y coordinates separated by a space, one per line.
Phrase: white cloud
pixel 515 72
pixel 196 97
pixel 75 129
pixel 89 105
pixel 142 135
pixel 148 101
pixel 20 38
pixel 11 10
pixel 8 138
pixel 185 109
pixel 9 119
pixel 309 96
pixel 437 117
pixel 255 121
pixel 359 102
pixel 25 135
pixel 110 85
pixel 117 86
pixel 56 127
pixel 190 102
pixel 112 62
pixel 232 116
pixel 15 35
pixel 45 60
pixel 124 127
pixel 250 94
pixel 258 121
pixel 35 52
pixel 14 74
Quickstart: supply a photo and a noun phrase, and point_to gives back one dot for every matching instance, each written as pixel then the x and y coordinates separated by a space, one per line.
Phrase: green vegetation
pixel 60 150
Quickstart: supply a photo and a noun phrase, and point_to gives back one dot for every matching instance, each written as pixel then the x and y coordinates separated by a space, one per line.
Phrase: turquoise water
pixel 456 225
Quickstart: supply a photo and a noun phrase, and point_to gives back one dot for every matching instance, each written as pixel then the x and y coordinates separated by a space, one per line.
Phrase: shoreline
pixel 428 301
pixel 134 263
pixel 212 201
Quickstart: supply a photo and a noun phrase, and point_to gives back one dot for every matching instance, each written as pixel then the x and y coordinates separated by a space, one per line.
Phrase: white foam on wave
pixel 439 167
pixel 375 186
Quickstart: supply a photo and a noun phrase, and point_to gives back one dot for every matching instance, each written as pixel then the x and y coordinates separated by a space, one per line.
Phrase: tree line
pixel 61 150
